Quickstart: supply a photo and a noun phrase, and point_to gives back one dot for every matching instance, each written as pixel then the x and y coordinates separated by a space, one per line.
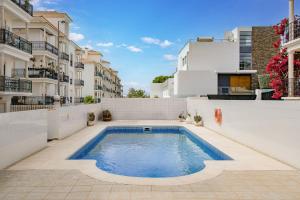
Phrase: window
pixel 71 60
pixel 245 50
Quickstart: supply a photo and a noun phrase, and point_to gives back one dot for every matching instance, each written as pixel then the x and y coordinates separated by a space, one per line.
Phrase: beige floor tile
pixel 56 195
pixel 64 189
pixel 101 188
pixel 83 188
pixel 119 196
pixel 140 195
pixel 161 195
pixel 121 188
pixel 36 195
pixel 15 196
pixel 140 188
pixel 77 196
pixel 98 196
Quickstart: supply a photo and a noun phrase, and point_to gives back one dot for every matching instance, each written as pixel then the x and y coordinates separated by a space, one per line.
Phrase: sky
pixel 142 38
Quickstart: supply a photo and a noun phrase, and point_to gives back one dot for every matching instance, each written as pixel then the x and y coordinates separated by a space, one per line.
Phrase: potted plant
pixel 91 119
pixel 188 119
pixel 198 120
pixel 181 117
pixel 106 116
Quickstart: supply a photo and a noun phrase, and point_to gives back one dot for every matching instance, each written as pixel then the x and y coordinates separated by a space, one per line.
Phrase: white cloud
pixel 170 57
pixel 122 45
pixel 134 49
pixel 76 36
pixel 107 44
pixel 43 5
pixel 166 43
pixel 155 41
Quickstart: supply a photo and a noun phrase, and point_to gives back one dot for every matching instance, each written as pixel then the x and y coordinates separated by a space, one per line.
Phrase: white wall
pixel 21 134
pixel 156 90
pixel 144 109
pixel 66 121
pixel 88 75
pixel 195 83
pixel 214 56
pixel 271 127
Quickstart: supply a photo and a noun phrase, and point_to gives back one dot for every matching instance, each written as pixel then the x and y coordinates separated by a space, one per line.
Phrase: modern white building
pixel 208 66
pixel 15 51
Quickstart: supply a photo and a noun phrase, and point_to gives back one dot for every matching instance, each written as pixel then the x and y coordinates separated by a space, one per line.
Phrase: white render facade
pixel 205 62
pixel 15 51
pixel 104 82
pixel 162 90
pixel 38 61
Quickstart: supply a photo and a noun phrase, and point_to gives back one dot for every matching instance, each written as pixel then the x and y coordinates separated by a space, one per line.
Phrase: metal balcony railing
pixel 44 46
pixel 25 5
pixel 33 100
pixel 79 65
pixel 64 56
pixel 11 39
pixel 79 82
pixel 42 73
pixel 78 100
pixel 8 84
pixel 64 78
pixel 292 31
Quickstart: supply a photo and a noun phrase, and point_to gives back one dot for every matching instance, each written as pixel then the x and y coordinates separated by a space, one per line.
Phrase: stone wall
pixel 262 50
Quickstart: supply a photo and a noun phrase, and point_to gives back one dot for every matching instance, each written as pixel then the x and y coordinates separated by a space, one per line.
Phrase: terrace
pixel 25 5
pixel 12 85
pixel 255 171
pixel 44 46
pixel 13 40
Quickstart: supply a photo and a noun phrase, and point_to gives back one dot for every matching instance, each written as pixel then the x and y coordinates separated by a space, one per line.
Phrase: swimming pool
pixel 152 152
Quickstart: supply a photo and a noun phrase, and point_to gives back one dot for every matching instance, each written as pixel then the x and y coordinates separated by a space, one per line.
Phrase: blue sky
pixel 142 38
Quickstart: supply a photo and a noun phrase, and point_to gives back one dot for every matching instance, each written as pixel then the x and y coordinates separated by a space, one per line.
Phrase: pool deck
pixel 49 175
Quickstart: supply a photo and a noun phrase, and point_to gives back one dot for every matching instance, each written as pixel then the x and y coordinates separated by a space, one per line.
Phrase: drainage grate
pixel 147 129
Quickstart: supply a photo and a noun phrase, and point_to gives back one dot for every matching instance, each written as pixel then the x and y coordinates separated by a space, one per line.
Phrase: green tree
pixel 161 79
pixel 89 100
pixel 137 93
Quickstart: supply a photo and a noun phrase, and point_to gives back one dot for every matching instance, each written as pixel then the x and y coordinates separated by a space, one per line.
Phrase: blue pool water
pixel 161 152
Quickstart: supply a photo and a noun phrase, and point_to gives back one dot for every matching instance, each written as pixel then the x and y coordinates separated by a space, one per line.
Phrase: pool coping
pixel 243 157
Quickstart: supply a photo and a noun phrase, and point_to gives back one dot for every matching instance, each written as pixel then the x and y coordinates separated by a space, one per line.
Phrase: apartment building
pixel 104 81
pixel 291 41
pixel 208 66
pixel 55 66
pixel 15 51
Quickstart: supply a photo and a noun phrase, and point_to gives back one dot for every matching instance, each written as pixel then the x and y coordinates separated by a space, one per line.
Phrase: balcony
pixel 64 56
pixel 98 87
pixel 25 5
pixel 78 100
pixel 33 100
pixel 99 74
pixel 79 82
pixel 292 31
pixel 64 78
pixel 42 73
pixel 79 65
pixel 44 46
pixel 13 40
pixel 8 84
